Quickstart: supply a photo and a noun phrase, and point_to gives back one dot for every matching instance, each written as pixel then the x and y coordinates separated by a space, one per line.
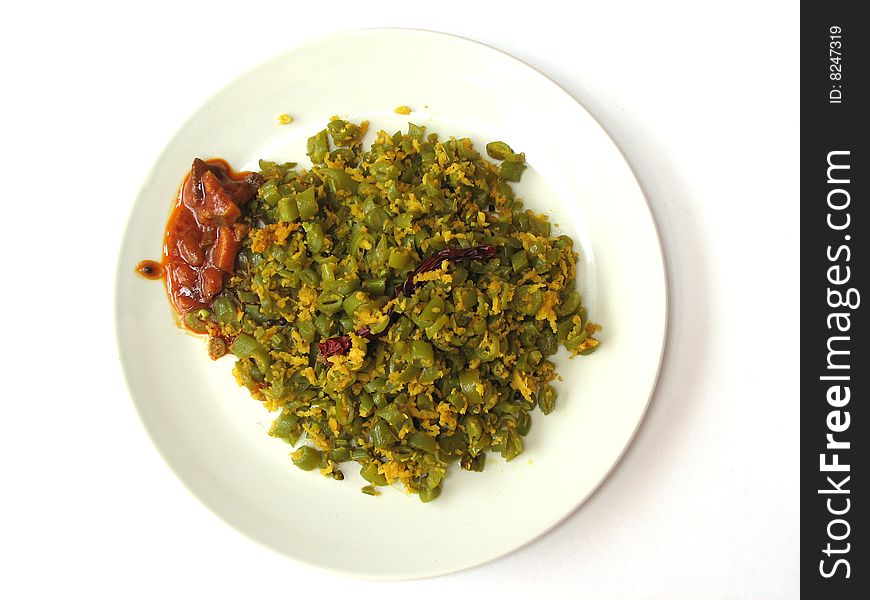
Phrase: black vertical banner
pixel 835 369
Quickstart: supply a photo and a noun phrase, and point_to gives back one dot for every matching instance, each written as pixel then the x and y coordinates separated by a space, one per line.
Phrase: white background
pixel 703 101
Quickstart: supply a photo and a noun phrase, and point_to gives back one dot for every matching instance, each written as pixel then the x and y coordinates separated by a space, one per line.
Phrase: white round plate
pixel 213 434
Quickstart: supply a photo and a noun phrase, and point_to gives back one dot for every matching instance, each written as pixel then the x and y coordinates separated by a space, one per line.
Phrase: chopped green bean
pixel 307 203
pixel 511 171
pixel 427 494
pixel 382 435
pixel 244 346
pixel 318 147
pixel 307 458
pixel 287 209
pixel 192 322
pixel 370 473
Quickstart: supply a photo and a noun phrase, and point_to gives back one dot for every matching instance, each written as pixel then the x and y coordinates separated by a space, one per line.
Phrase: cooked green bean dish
pixel 396 306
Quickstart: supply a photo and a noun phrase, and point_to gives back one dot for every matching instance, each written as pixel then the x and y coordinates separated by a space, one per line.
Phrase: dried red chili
pixel 481 253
